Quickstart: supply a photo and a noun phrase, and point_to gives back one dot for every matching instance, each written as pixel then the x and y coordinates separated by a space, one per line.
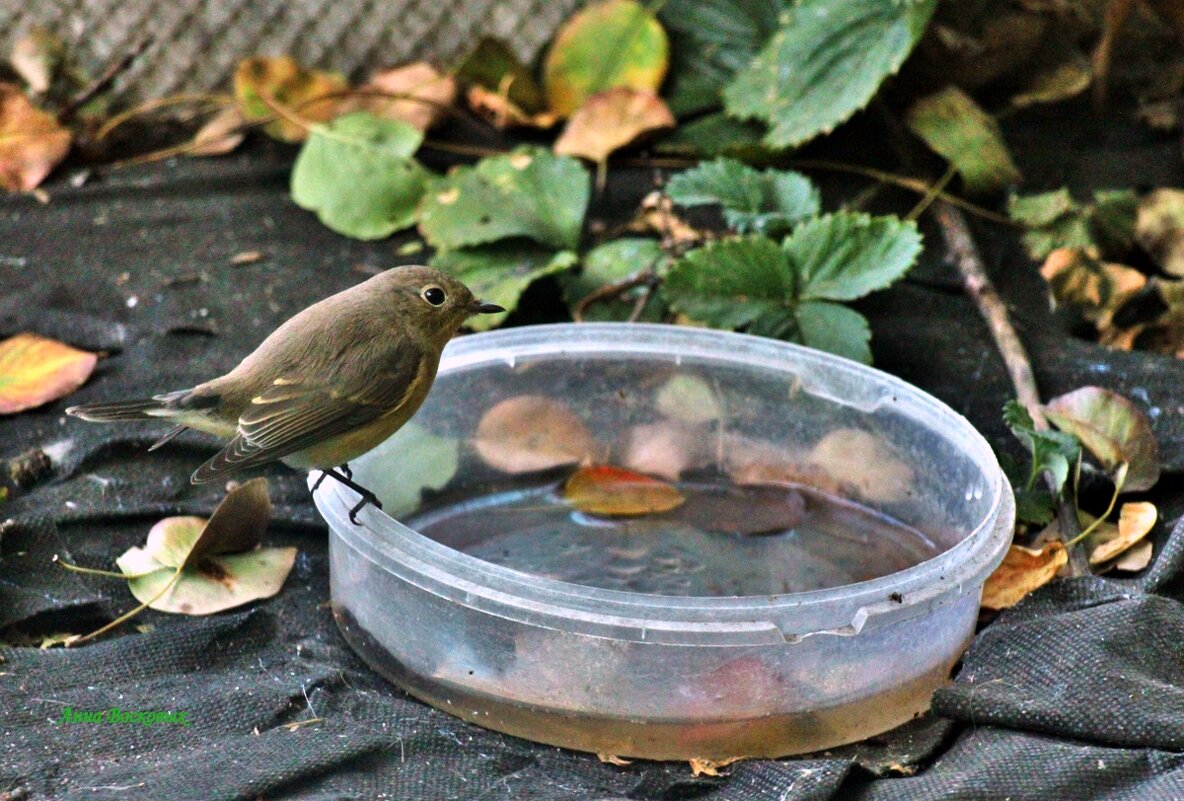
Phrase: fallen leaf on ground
pixel 1022 571
pixel 493 66
pixel 1095 287
pixel 1159 229
pixel 1110 541
pixel 35 370
pixel 657 216
pixel 710 767
pixel 864 464
pixel 606 45
pixel 36 57
pixel 1113 429
pixel 499 110
pixel 220 135
pixel 611 120
pixel 1065 72
pixel 247 257
pixel 617 492
pixel 32 142
pixel 281 81
pixel 613 759
pixel 429 95
pixel 532 432
pixel 957 128
pixel 1135 558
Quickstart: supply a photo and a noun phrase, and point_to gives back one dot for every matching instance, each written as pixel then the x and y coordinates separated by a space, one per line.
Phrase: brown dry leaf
pixel 428 94
pixel 1159 228
pixel 665 448
pixel 35 370
pixel 1022 571
pixel 617 492
pixel 502 113
pixel 710 767
pixel 657 216
pixel 247 257
pixel 262 82
pixel 613 759
pixel 221 134
pixel 32 142
pixel 864 465
pixel 611 120
pixel 1098 288
pixel 1110 541
pixel 532 432
pixel 36 57
pixel 1136 558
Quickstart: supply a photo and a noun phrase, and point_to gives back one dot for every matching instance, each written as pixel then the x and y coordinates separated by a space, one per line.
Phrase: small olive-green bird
pixel 328 385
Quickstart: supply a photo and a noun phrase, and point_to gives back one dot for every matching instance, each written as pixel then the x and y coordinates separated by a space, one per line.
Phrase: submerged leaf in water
pixel 617 492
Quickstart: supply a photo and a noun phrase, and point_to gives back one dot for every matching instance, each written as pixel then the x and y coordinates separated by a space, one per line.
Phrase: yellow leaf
pixel 617 492
pixel 1022 571
pixel 260 83
pixel 35 370
pixel 710 767
pixel 1110 541
pixel 32 142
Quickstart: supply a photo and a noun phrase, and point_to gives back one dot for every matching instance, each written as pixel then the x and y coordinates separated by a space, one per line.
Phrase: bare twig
pixel 611 291
pixel 105 79
pixel 981 290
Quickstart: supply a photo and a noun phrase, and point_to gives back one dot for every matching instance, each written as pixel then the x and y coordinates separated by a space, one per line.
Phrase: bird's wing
pixel 291 415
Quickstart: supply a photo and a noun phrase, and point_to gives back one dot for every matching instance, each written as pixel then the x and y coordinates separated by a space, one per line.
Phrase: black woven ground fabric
pixel 1074 694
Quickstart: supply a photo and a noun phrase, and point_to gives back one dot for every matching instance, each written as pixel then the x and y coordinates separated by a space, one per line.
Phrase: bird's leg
pixel 345 469
pixel 321 480
pixel 368 497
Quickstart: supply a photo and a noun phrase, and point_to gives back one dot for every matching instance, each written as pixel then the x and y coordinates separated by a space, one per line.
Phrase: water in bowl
pixel 724 540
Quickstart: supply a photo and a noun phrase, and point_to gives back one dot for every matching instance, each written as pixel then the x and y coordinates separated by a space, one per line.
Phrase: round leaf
pixel 532 432
pixel 1111 428
pixel 609 44
pixel 611 120
pixel 35 370
pixel 616 492
pixel 32 142
pixel 281 81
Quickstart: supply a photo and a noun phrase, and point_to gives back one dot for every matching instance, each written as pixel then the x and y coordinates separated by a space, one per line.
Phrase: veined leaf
pixel 768 202
pixel 845 255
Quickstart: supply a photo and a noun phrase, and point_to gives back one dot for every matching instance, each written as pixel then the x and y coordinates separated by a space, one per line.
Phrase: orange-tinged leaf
pixel 285 83
pixel 711 767
pixel 428 94
pixel 1110 541
pixel 609 44
pixel 611 120
pixel 1022 571
pixel 32 142
pixel 1135 558
pixel 35 370
pixel 1098 288
pixel 503 113
pixel 617 492
pixel 532 432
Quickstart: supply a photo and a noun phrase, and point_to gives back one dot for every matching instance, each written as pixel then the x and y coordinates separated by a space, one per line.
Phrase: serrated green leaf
pixel 612 262
pixel 957 128
pixel 500 273
pixel 769 202
pixel 356 172
pixel 824 64
pixel 1113 219
pixel 717 135
pixel 1052 451
pixel 1055 220
pixel 844 256
pixel 710 41
pixel 836 329
pixel 606 45
pixel 528 193
pixel 1034 506
pixel 732 283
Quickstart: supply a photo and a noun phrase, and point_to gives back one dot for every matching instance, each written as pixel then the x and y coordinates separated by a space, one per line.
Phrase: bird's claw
pixel 368 499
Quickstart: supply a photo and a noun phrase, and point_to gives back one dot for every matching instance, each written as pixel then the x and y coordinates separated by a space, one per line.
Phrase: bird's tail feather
pixel 119 410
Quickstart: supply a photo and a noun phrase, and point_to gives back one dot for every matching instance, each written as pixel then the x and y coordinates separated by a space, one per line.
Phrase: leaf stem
pixel 126 616
pixel 90 571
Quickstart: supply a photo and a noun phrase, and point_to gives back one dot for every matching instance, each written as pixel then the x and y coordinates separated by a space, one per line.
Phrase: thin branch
pixel 986 298
pixel 105 79
pixel 609 292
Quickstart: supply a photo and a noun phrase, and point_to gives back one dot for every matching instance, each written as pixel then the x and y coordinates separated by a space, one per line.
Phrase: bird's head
pixel 431 302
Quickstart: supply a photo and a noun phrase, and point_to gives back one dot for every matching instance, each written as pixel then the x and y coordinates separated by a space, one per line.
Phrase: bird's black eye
pixel 433 295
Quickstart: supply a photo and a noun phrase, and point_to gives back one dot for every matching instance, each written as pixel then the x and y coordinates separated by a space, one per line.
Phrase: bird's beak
pixel 480 307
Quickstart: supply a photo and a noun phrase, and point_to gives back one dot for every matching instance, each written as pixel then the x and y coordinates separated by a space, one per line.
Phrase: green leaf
pixel 824 64
pixel 1113 429
pixel 213 585
pixel 717 135
pixel 424 461
pixel 710 41
pixel 1052 451
pixel 732 283
pixel 1055 220
pixel 612 262
pixel 491 63
pixel 768 202
pixel 835 329
pixel 530 193
pixel 357 174
pixel 608 44
pixel 500 273
pixel 957 128
pixel 846 255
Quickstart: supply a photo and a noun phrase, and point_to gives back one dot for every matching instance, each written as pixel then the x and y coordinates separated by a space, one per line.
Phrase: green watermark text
pixel 145 717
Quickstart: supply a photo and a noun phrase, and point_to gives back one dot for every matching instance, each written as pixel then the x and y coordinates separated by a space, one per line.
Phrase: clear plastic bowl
pixel 669 676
